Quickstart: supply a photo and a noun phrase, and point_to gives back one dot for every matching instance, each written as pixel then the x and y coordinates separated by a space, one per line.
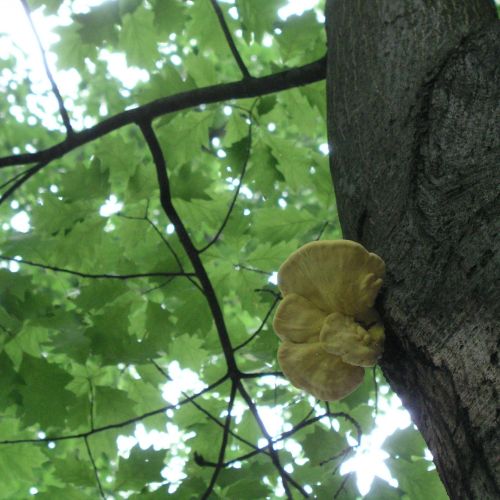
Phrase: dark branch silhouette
pixel 309 73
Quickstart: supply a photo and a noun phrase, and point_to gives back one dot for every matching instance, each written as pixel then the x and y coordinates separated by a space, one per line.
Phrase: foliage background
pixel 109 295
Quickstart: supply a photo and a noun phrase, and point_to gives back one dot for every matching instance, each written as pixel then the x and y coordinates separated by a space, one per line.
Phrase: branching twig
pixel 20 180
pixel 253 269
pixel 167 244
pixel 203 410
pixel 229 39
pixel 185 239
pixel 285 477
pixel 263 323
pixel 94 275
pixel 13 178
pixel 55 89
pixel 94 467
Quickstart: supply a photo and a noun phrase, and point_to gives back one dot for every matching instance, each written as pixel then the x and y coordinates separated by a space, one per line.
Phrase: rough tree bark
pixel 413 94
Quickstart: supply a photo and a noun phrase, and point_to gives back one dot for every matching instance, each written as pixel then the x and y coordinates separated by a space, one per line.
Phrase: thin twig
pixel 230 41
pixel 167 244
pixel 262 325
pixel 223 445
pixel 94 467
pixel 261 374
pixel 253 269
pixel 237 190
pixel 342 485
pixel 14 178
pixel 276 295
pixel 55 89
pixel 322 230
pixel 93 275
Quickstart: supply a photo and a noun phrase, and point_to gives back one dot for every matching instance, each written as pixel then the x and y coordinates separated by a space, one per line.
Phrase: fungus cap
pixel 340 276
pixel 309 367
pixel 326 319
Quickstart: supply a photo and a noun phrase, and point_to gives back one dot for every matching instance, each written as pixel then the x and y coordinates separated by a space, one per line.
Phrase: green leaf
pixel 299 35
pixel 74 469
pixel 142 467
pixel 204 25
pixel 293 163
pixel 380 490
pixel 112 406
pixel 169 16
pixel 322 444
pixel 50 6
pixel 416 480
pixel 21 467
pixel 99 24
pixel 38 374
pixel 276 225
pixel 406 443
pixel 71 51
pixel 188 351
pixel 138 39
pixel 258 16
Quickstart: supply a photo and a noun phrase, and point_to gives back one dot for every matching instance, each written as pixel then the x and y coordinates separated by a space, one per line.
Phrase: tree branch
pixel 283 80
pixel 185 239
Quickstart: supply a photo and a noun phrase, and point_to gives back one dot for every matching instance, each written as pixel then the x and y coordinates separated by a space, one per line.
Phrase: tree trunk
pixel 413 94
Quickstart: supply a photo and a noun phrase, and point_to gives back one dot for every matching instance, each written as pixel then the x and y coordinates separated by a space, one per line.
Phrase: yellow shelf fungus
pixel 326 320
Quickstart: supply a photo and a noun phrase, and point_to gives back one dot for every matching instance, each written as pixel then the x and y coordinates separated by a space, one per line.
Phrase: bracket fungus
pixel 329 329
